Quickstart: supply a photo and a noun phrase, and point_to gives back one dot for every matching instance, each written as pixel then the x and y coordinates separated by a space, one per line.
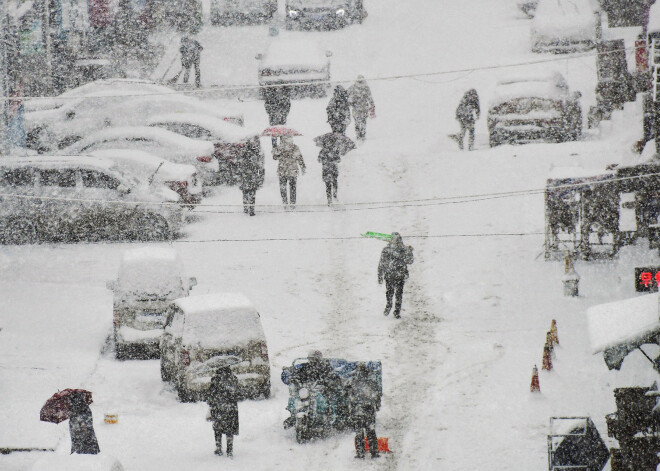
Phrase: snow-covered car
pixel 77 462
pixel 153 170
pixel 201 331
pixel 323 14
pixel 525 109
pixel 302 64
pixel 71 198
pixel 50 130
pixel 231 11
pixel 149 279
pixel 98 89
pixel 229 140
pixel 564 26
pixel 161 142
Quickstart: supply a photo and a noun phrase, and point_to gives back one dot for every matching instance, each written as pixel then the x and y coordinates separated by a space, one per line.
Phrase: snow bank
pixel 75 462
pixel 216 320
pixel 292 52
pixel 626 321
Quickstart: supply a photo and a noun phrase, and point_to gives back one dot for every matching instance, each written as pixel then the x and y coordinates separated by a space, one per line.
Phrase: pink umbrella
pixel 56 409
pixel 279 131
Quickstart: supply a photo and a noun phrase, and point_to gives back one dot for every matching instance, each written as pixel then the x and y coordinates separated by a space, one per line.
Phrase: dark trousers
pixel 249 197
pixel 371 438
pixel 230 441
pixel 360 125
pixel 331 188
pixel 394 288
pixel 289 182
pixel 185 68
pixel 469 127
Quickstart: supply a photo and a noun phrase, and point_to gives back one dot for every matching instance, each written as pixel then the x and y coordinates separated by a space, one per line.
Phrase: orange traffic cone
pixel 553 331
pixel 550 343
pixel 535 387
pixel 547 361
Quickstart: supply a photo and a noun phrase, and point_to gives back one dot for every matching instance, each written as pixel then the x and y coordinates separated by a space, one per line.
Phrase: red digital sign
pixel 647 279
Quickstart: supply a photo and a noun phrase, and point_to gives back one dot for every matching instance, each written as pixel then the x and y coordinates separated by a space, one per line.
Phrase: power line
pixel 237 87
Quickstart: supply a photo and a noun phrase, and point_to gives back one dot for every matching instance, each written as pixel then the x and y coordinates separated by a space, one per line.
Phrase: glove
pixel 372 113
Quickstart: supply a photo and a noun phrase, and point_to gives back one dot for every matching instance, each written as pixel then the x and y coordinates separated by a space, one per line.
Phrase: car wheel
pixel 121 352
pixel 20 231
pixel 184 394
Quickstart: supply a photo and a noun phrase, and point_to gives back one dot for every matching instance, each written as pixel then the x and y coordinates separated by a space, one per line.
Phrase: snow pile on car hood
pixel 220 320
pixel 150 271
pixel 572 20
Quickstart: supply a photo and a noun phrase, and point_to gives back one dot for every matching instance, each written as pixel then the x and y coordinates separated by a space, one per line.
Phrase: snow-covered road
pixel 456 367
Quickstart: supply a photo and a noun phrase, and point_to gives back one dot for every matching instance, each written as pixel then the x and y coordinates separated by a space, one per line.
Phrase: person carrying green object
pixel 393 267
pixel 377 235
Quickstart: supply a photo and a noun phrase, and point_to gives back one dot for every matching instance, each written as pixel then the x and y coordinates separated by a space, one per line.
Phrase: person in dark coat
pixel 290 161
pixel 277 101
pixel 362 105
pixel 393 267
pixel 190 50
pixel 223 397
pixel 364 400
pixel 467 113
pixel 339 113
pixel 81 426
pixel 333 146
pixel 250 175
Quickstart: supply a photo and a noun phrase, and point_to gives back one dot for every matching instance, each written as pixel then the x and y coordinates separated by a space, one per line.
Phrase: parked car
pixel 229 140
pixel 323 14
pixel 301 64
pixel 564 26
pixel 72 198
pixel 161 142
pixel 201 331
pixel 534 108
pixel 149 279
pixel 226 12
pixel 153 170
pixel 48 131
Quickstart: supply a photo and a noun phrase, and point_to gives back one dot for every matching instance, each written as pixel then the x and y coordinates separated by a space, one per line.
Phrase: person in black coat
pixel 250 174
pixel 190 50
pixel 277 101
pixel 81 426
pixel 467 113
pixel 364 400
pixel 339 112
pixel 223 397
pixel 393 267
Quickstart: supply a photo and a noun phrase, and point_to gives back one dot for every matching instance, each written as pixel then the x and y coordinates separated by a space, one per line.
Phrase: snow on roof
pixel 162 136
pixel 626 321
pixel 292 52
pixel 219 320
pixel 219 128
pixel 77 462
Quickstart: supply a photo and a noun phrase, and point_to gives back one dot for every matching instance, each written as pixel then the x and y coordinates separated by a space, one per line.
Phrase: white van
pixel 201 332
pixel 149 279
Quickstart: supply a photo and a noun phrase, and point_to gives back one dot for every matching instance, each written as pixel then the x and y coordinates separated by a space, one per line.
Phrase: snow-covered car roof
pixel 565 19
pixel 628 321
pixel 219 128
pixel 654 18
pixel 221 319
pixel 184 104
pixel 155 270
pixel 551 86
pixel 144 164
pixel 58 161
pixel 162 136
pixel 317 3
pixel 77 462
pixel 290 52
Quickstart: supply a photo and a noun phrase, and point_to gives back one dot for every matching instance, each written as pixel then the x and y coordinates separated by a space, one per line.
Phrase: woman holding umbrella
pixel 81 426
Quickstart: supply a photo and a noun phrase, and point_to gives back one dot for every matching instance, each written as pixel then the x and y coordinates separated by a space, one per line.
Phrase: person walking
pixel 81 426
pixel 338 110
pixel 467 113
pixel 330 156
pixel 190 50
pixel 364 401
pixel 393 267
pixel 277 101
pixel 250 174
pixel 222 399
pixel 289 161
pixel 362 106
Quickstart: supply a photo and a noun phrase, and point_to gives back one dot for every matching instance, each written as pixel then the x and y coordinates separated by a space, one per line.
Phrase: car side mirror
pixel 328 53
pixel 192 282
pixel 111 285
pixel 259 56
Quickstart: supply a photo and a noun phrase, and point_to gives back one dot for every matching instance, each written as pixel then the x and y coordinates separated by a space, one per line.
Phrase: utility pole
pixel 4 79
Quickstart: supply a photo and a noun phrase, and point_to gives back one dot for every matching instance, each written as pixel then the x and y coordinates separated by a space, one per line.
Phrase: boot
pixel 388 308
pixel 230 446
pixel 397 315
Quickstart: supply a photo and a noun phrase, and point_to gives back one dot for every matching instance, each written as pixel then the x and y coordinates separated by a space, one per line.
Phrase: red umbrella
pixel 56 409
pixel 279 131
